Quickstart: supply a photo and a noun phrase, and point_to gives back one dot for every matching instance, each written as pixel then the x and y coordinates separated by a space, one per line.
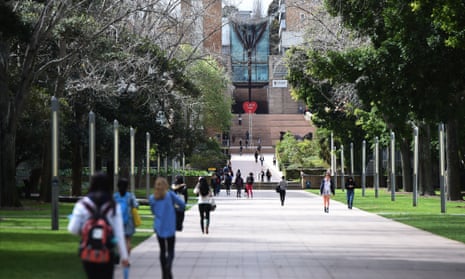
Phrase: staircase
pixel 267 127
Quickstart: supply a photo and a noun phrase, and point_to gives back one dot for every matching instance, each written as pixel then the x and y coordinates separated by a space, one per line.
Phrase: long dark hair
pixel 100 190
pixel 123 186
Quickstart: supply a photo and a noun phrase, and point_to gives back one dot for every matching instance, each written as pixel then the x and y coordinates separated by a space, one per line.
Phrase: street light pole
pixel 91 145
pixel 55 180
pixel 115 154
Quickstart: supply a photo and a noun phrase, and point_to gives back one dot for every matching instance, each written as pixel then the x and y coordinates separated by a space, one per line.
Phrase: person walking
pixel 282 186
pixel 268 175
pixel 249 185
pixel 127 201
pixel 239 182
pixel 215 181
pixel 202 189
pixel 227 182
pixel 326 189
pixel 180 188
pixel 350 186
pixel 162 205
pixel 100 199
pixel 262 159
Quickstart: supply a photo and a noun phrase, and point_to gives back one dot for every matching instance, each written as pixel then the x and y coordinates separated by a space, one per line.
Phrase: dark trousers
pixel 204 209
pixel 166 255
pixel 282 196
pixel 99 271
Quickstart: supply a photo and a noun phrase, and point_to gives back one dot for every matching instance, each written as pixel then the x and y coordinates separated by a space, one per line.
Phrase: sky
pixel 247 5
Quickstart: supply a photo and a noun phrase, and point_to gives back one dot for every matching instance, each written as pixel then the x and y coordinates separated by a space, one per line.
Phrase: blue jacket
pixel 164 223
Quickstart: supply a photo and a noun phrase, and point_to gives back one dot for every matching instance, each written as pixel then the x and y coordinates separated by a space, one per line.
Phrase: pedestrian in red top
pixel 249 185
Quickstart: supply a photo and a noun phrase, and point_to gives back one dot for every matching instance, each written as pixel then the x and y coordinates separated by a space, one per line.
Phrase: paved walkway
pixel 258 238
pixel 246 163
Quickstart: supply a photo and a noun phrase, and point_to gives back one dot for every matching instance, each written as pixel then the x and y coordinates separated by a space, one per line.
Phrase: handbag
pixel 136 217
pixel 278 189
pixel 213 204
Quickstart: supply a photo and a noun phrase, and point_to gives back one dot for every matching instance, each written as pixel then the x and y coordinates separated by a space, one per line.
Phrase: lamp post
pixel 393 166
pixel 415 166
pixel 147 177
pixel 55 180
pixel 352 159
pixel 376 155
pixel 442 168
pixel 132 144
pixel 364 175
pixel 91 144
pixel 115 154
pixel 342 168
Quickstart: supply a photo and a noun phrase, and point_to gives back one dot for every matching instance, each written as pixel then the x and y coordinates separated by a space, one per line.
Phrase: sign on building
pixel 280 83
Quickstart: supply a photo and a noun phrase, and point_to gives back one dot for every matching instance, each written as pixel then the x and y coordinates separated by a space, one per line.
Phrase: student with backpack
pixel 99 222
pixel 162 204
pixel 126 201
pixel 202 189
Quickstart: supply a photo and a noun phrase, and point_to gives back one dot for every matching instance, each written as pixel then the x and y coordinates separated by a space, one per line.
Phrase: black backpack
pixel 97 243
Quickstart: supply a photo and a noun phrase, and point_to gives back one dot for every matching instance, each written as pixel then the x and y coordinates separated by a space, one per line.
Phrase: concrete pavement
pixel 259 238
pixel 246 163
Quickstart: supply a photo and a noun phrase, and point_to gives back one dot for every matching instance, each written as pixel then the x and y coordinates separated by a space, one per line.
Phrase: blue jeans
pixel 350 197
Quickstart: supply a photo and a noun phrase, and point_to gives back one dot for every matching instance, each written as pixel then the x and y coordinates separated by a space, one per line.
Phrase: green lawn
pixel 30 249
pixel 426 215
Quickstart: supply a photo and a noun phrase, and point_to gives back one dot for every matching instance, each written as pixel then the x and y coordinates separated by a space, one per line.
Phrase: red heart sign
pixel 249 107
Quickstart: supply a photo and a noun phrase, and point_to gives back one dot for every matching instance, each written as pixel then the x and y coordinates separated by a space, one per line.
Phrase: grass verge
pixel 30 249
pixel 426 215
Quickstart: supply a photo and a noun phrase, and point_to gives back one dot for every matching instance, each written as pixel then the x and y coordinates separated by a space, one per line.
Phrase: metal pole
pixel 376 166
pixel 115 154
pixel 335 167
pixel 442 168
pixel 415 166
pixel 393 166
pixel 332 157
pixel 250 129
pixel 91 144
pixel 158 162
pixel 55 180
pixel 342 168
pixel 364 145
pixel 147 174
pixel 352 159
pixel 132 135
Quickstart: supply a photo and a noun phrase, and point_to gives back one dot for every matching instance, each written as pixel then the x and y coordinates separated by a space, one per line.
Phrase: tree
pixel 55 48
pixel 427 74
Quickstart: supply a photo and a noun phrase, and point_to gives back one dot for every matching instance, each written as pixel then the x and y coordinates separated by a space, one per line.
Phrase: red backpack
pixel 97 242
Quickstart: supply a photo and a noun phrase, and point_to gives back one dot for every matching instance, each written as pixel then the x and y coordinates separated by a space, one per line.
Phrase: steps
pixel 267 128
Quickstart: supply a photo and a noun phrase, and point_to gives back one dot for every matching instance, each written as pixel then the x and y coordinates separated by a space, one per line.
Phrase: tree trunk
pixel 76 155
pixel 8 190
pixel 425 161
pixel 76 167
pixel 453 161
pixel 406 158
pixel 46 172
